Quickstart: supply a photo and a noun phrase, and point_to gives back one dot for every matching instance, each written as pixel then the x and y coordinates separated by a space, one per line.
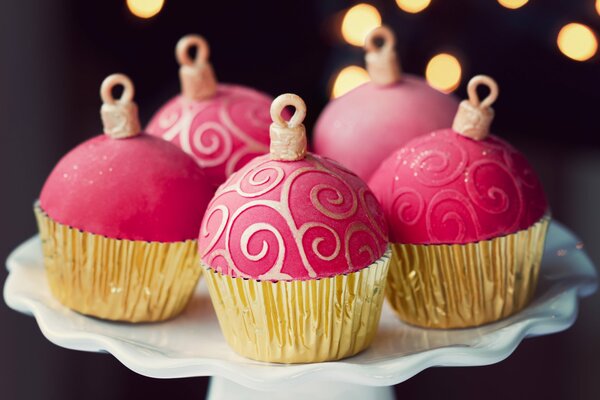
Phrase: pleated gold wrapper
pixel 300 321
pixel 458 286
pixel 122 280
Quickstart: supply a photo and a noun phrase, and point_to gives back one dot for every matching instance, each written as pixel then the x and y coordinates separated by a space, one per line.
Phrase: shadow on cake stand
pixel 192 345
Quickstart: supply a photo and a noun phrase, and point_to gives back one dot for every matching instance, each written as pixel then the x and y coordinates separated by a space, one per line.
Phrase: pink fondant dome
pixel 133 186
pixel 385 114
pixel 449 188
pixel 222 133
pixel 221 126
pixel 286 219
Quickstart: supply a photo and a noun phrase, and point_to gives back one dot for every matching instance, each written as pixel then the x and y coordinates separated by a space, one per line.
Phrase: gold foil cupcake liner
pixel 457 286
pixel 300 321
pixel 115 279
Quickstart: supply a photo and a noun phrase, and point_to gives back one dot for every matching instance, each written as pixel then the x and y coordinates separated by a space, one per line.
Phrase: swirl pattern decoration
pixel 445 188
pixel 277 220
pixel 222 133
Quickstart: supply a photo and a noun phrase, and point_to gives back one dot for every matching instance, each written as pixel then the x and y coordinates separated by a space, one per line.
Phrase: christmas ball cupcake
pixel 467 218
pixel 118 218
pixel 388 111
pixel 221 126
pixel 295 252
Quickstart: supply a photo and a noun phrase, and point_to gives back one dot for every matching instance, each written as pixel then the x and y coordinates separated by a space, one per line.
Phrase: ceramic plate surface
pixel 192 344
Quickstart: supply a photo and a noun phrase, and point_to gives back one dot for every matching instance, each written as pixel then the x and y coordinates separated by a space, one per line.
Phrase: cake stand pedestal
pixel 221 389
pixel 192 344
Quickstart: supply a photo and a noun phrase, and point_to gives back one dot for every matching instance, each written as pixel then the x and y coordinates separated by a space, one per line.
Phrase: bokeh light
pixel 598 6
pixel 443 72
pixel 358 22
pixel 577 41
pixel 513 4
pixel 145 8
pixel 347 79
pixel 413 6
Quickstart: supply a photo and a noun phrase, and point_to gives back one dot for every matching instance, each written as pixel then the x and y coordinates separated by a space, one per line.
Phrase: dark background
pixel 54 55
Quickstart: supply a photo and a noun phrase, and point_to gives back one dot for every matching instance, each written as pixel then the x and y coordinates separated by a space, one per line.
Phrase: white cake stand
pixel 192 344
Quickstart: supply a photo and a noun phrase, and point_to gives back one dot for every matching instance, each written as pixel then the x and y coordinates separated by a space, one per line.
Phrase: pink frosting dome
pixel 138 188
pixel 292 220
pixel 222 132
pixel 384 116
pixel 445 188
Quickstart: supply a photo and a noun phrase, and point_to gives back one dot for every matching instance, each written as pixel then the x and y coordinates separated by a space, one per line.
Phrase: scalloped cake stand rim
pixel 554 312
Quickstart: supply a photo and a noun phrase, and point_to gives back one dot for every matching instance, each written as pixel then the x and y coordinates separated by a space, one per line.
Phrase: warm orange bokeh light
pixel 513 4
pixel 145 8
pixel 577 41
pixel 347 79
pixel 413 6
pixel 443 72
pixel 358 22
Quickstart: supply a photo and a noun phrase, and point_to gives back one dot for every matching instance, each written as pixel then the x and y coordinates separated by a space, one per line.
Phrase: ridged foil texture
pixel 115 279
pixel 457 286
pixel 300 321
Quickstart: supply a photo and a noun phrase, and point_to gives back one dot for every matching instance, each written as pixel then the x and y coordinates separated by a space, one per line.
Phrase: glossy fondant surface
pixel 363 127
pixel 139 188
pixel 445 188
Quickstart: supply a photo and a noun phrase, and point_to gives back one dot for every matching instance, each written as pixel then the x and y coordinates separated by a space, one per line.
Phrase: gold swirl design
pixel 275 271
pixel 362 195
pixel 353 229
pixel 402 206
pixel 251 177
pixel 204 232
pixel 266 176
pixel 315 244
pixel 177 121
pixel 494 193
pixel 218 138
pixel 337 201
pixel 433 167
pixel 249 141
pixel 225 255
pixel 451 195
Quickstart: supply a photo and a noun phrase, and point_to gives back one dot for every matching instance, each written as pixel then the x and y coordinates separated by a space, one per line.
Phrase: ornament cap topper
pixel 382 61
pixel 474 117
pixel 196 75
pixel 119 116
pixel 288 138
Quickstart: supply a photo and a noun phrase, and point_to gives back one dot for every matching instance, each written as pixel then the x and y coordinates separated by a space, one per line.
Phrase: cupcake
pixel 467 218
pixel 221 126
pixel 295 254
pixel 118 218
pixel 387 112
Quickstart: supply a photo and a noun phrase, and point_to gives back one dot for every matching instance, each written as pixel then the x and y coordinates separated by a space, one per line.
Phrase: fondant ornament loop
pixel 288 138
pixel 474 117
pixel 114 80
pixel 472 91
pixel 182 51
pixel 119 116
pixel 382 62
pixel 196 75
pixel 385 34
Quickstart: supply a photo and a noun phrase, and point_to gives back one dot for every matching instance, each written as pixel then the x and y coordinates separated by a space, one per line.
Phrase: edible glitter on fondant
pixel 154 191
pixel 465 190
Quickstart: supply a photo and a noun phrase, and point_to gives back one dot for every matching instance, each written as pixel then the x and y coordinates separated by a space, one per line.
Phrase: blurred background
pixel 54 55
